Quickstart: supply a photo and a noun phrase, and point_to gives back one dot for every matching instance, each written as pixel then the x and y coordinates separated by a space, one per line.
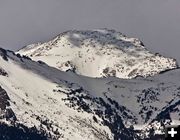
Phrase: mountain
pixel 87 85
pixel 99 53
pixel 41 102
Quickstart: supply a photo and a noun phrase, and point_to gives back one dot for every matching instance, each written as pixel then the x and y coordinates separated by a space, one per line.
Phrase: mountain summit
pixel 99 53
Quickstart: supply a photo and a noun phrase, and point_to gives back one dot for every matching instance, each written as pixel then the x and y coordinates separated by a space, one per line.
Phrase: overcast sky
pixel 155 22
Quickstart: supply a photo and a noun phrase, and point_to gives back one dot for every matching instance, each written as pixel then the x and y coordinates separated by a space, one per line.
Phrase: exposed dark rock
pixel 4 99
pixel 3 53
pixel 41 62
pixel 3 72
pixel 21 132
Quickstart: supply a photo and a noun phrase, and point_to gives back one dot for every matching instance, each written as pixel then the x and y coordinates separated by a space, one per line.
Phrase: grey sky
pixel 155 22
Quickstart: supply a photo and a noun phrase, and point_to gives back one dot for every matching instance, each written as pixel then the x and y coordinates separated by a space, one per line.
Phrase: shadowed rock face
pixel 3 99
pixel 20 132
pixel 4 103
pixel 3 53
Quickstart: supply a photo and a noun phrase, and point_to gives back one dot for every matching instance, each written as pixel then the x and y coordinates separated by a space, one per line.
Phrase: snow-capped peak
pixel 99 53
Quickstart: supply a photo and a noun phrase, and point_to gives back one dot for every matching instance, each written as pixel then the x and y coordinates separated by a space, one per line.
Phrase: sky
pixel 155 22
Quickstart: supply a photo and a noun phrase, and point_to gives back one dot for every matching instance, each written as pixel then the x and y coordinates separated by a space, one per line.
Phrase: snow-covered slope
pixel 99 53
pixel 37 97
pixel 65 105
